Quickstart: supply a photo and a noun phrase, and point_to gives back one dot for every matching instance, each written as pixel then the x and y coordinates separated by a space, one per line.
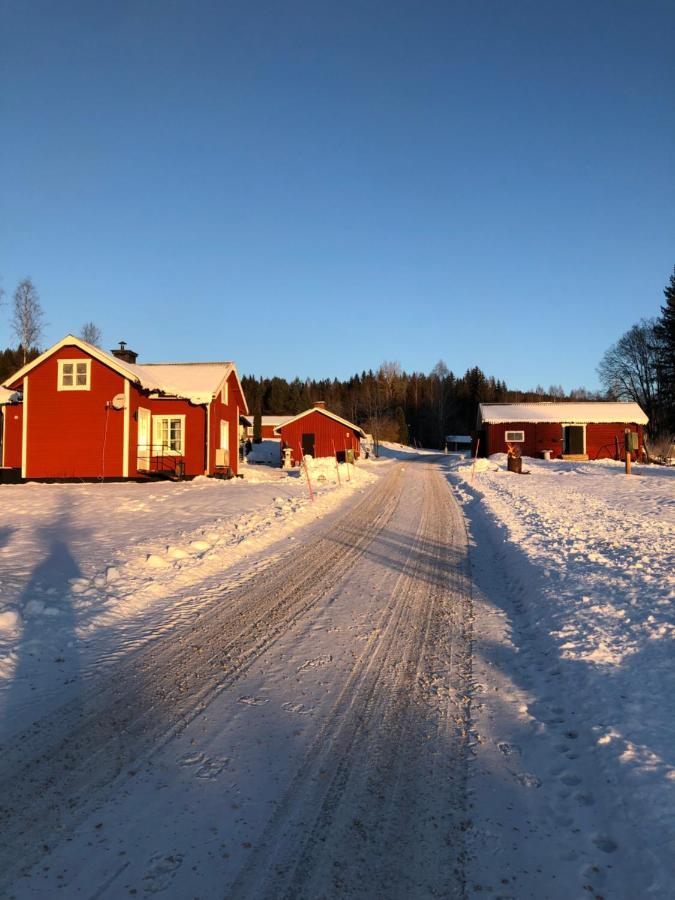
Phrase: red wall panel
pixel 13 424
pixel 73 434
pixel 230 413
pixel 600 442
pixel 329 436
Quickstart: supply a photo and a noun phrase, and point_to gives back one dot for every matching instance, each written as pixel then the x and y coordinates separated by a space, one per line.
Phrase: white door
pixel 144 439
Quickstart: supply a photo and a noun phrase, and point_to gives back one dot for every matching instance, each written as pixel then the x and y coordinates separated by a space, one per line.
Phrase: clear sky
pixel 310 188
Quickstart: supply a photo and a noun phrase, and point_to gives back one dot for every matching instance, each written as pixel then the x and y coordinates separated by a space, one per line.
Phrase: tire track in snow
pixel 377 807
pixel 60 769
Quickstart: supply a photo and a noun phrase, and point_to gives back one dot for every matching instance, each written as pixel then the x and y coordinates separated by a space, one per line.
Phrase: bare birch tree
pixel 27 316
pixel 92 334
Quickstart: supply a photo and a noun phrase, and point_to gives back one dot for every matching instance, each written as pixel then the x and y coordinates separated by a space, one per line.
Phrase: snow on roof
pixel 596 411
pixel 324 412
pixel 7 396
pixel 198 382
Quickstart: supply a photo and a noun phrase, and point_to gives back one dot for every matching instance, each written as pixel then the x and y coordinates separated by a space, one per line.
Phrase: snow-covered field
pixel 89 572
pixel 574 773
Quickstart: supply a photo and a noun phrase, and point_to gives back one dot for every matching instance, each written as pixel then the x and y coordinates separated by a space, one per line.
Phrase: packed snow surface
pixel 574 565
pixel 88 572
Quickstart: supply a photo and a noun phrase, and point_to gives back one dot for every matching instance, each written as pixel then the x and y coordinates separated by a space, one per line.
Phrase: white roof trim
pixel 137 373
pixel 583 412
pixel 69 341
pixel 325 412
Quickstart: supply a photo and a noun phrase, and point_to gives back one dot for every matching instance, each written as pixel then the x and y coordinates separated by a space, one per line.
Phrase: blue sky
pixel 312 188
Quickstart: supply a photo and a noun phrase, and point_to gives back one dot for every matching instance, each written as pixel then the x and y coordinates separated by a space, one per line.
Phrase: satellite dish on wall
pixel 119 401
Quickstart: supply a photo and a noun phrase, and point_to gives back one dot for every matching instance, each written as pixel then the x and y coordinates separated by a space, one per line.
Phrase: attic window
pixel 74 375
pixel 514 437
pixel 224 394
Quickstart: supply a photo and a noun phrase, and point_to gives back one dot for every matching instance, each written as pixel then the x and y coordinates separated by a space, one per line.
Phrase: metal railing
pixel 160 459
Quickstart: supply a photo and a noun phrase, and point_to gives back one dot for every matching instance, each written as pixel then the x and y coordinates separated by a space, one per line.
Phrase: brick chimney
pixel 319 404
pixel 125 355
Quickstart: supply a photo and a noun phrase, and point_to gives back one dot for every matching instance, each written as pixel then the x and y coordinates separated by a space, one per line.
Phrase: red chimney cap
pixel 319 404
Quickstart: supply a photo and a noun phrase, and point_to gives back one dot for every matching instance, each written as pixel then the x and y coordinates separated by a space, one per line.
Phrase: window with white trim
pixel 168 435
pixel 74 375
pixel 225 393
pixel 514 437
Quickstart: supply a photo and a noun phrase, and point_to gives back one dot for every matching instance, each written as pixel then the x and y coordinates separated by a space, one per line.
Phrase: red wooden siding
pixel 600 438
pixel 12 427
pixel 195 430
pixel 326 432
pixel 73 434
pixel 230 413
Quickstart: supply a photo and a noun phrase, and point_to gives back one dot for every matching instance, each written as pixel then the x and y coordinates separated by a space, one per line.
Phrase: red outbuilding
pixel 565 430
pixel 85 414
pixel 320 433
pixel 268 426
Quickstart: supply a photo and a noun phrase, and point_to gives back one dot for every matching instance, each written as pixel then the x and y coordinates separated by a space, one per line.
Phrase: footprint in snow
pixel 253 701
pixel 604 843
pixel 295 707
pixel 212 767
pixel 161 870
pixel 507 748
pixel 193 758
pixel 316 663
pixel 528 780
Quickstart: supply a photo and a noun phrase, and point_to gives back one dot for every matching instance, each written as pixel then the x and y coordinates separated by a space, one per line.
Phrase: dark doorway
pixel 574 440
pixel 308 445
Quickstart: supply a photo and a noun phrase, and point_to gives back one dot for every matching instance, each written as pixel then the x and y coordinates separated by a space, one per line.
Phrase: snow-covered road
pixel 304 734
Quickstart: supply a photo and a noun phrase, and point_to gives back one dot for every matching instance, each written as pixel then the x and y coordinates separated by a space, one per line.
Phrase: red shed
pixel 88 414
pixel 320 433
pixel 567 430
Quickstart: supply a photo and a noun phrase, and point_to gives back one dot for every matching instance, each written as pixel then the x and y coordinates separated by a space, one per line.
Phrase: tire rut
pixel 57 771
pixel 353 821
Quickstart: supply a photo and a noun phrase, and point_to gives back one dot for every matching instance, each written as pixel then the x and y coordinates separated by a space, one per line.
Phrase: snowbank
pixel 267 452
pixel 575 629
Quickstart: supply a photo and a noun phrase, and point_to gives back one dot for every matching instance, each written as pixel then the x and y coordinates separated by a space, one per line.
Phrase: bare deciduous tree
pixel 92 334
pixel 27 316
pixel 629 370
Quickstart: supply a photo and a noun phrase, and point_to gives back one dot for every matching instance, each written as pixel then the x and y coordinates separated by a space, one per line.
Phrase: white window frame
pixel 157 448
pixel 514 440
pixel 225 393
pixel 74 363
pixel 224 430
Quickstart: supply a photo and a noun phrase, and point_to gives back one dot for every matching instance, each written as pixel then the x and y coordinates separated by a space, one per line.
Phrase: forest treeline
pixel 395 405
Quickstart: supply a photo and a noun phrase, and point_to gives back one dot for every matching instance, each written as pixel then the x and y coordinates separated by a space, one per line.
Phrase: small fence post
pixel 337 464
pixel 306 468
pixel 475 457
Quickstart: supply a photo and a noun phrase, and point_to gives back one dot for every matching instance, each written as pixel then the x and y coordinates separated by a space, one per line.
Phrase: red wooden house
pixel 319 433
pixel 88 414
pixel 567 430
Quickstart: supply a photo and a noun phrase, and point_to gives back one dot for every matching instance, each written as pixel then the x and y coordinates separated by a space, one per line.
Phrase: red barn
pixel 567 430
pixel 88 414
pixel 319 433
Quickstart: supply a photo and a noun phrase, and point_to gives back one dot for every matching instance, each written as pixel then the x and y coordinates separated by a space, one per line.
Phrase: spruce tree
pixel 664 331
pixel 402 426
